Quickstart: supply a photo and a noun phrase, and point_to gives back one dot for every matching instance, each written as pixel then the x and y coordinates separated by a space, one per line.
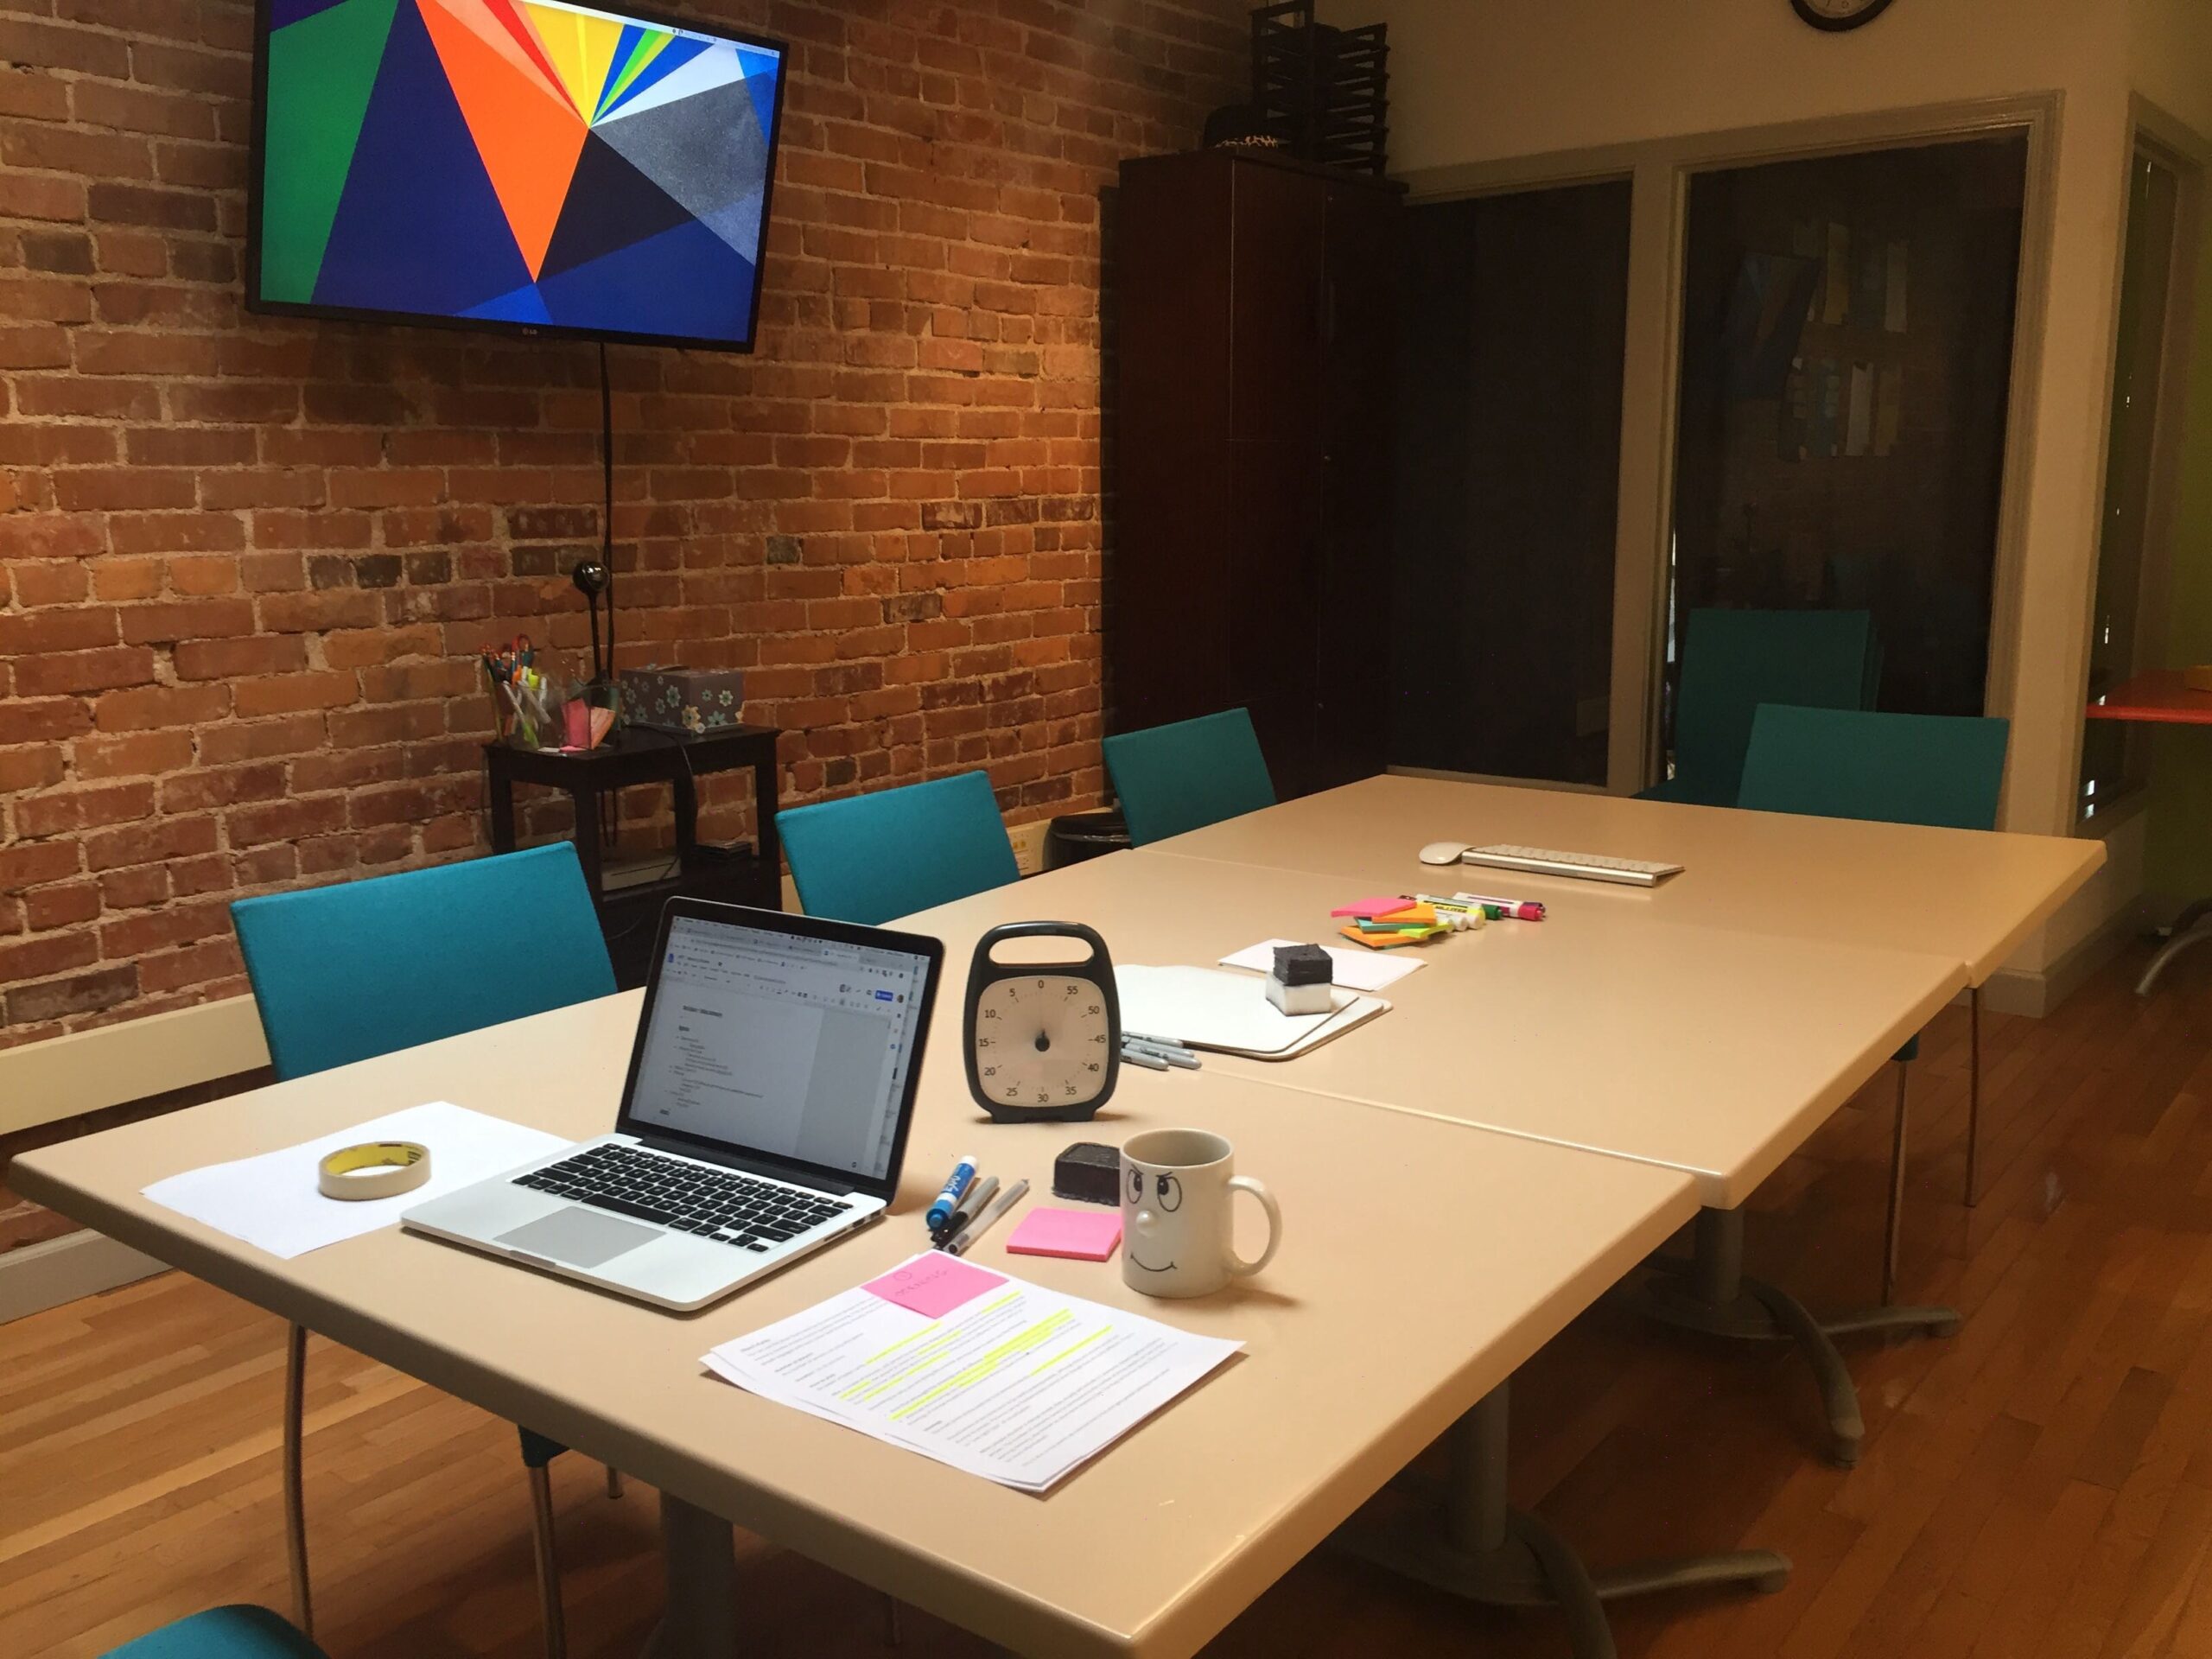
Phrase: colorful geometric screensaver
pixel 514 160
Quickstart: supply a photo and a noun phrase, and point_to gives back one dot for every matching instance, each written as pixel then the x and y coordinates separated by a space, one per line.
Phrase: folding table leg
pixel 295 1509
pixel 1711 1293
pixel 2191 929
pixel 1973 1094
pixel 699 1620
pixel 1487 1552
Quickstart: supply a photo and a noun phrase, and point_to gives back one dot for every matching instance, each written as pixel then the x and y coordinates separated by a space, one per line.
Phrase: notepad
pixel 1078 1234
pixel 1348 969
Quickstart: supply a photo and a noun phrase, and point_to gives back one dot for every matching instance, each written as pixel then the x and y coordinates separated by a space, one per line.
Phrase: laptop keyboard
pixel 689 1197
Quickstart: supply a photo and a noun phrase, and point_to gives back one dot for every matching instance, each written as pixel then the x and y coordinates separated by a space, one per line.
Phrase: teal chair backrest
pixel 345 972
pixel 1945 770
pixel 1733 661
pixel 1186 776
pixel 868 858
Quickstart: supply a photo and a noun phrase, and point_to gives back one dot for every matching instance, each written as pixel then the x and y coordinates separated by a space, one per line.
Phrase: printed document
pixel 999 1378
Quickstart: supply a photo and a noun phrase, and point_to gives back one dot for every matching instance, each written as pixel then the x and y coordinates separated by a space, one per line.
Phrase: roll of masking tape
pixel 375 1169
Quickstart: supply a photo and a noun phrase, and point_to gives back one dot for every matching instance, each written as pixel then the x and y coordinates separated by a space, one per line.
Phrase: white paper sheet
pixel 1355 971
pixel 1019 1384
pixel 273 1201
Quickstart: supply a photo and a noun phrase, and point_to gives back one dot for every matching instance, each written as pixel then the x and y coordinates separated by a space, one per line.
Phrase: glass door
pixel 1846 361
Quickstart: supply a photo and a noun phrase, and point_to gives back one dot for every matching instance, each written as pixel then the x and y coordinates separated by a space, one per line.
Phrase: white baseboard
pixel 58 1271
pixel 2036 993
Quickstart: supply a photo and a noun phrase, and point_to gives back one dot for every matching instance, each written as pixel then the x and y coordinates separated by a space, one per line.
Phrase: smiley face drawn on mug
pixel 1167 1196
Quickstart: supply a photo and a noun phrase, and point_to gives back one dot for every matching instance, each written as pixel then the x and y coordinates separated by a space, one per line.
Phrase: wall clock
pixel 1835 15
pixel 1043 1038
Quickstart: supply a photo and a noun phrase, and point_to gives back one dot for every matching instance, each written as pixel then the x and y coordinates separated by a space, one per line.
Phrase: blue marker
pixel 955 1184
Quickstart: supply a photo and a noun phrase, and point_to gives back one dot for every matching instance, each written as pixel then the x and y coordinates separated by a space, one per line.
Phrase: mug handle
pixel 1238 1265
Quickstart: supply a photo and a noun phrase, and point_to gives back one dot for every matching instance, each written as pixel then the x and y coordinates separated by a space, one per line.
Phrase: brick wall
pixel 244 563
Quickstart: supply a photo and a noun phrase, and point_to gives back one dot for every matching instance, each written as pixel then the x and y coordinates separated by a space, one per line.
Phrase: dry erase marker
pixel 974 1198
pixel 955 1184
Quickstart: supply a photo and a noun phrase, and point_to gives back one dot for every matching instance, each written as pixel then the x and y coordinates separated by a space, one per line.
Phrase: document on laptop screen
pixel 774 1043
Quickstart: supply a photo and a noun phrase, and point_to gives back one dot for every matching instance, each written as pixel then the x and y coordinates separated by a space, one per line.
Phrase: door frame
pixel 1660 171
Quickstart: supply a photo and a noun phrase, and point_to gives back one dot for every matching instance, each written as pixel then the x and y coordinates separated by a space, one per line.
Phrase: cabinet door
pixel 1275 271
pixel 1268 644
pixel 1359 332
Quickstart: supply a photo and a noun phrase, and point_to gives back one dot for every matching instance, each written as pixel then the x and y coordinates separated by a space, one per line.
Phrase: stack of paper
pixel 1230 1014
pixel 1001 1378
pixel 274 1201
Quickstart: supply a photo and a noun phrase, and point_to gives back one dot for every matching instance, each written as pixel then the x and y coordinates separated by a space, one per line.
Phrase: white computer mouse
pixel 1443 852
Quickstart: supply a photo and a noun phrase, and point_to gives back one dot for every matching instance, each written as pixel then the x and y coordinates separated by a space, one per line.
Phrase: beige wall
pixel 1480 80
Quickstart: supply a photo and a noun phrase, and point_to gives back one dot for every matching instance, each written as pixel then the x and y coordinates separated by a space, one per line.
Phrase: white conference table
pixel 1353 1364
pixel 1710 1051
pixel 1970 894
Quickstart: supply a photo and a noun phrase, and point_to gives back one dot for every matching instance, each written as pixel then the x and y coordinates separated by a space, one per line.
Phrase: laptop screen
pixel 781 1045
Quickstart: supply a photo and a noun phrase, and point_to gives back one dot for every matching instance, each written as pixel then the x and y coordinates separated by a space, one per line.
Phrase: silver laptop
pixel 770 1089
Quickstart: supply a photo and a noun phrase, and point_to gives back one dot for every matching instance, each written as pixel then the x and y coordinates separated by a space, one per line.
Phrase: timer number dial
pixel 1041 1039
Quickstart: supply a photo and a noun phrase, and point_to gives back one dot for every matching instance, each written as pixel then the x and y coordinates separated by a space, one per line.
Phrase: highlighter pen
pixel 974 1198
pixel 955 1184
pixel 1496 910
pixel 1519 910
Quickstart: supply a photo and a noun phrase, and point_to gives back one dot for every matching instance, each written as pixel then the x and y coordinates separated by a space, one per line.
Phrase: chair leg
pixel 613 1481
pixel 296 1514
pixel 548 1564
pixel 1896 1192
pixel 1973 1092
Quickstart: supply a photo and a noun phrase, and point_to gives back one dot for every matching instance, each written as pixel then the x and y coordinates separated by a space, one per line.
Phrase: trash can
pixel 1079 836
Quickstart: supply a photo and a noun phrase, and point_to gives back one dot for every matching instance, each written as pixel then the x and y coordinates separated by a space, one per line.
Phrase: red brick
pixel 45 953
pixel 148 844
pixel 214 659
pixel 157 930
pixel 63 906
pixel 78 629
pixel 56 811
pixel 84 670
pixel 248 826
pixel 25 720
pixel 133 754
pixel 126 578
pixel 195 791
pixel 33 766
pixel 48 583
pixel 187 619
pixel 285 694
pixel 134 889
pixel 148 708
pixel 87 992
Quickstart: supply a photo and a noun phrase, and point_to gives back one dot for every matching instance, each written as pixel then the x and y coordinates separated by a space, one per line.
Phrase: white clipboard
pixel 1228 1013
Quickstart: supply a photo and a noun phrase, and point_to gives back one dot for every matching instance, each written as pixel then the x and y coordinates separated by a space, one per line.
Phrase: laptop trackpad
pixel 580 1237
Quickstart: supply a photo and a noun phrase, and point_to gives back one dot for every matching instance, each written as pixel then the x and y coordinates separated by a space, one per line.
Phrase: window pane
pixel 2113 759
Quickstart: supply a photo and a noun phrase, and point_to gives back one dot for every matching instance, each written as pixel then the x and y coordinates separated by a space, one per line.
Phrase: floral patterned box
pixel 679 699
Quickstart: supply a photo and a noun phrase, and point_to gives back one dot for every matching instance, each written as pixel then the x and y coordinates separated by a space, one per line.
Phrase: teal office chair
pixel 1171 778
pixel 1948 770
pixel 867 858
pixel 1733 661
pixel 238 1631
pixel 347 972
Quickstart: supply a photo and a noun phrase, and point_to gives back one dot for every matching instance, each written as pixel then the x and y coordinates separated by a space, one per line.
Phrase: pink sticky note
pixel 933 1284
pixel 1080 1234
pixel 1368 909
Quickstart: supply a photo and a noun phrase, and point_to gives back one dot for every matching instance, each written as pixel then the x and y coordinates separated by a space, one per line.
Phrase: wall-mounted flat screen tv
pixel 522 165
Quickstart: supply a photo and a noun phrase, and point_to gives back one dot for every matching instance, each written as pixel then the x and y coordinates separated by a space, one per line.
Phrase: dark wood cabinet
pixel 1250 452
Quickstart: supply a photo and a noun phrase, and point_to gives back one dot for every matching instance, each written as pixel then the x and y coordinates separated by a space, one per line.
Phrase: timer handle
pixel 1041 930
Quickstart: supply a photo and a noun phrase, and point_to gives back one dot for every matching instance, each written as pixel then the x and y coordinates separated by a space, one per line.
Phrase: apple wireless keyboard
pixel 1581 867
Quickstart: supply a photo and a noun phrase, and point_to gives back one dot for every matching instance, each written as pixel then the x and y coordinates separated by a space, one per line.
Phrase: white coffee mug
pixel 1176 1224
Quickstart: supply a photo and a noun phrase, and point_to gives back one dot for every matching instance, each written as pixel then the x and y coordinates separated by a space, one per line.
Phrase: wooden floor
pixel 2040 1485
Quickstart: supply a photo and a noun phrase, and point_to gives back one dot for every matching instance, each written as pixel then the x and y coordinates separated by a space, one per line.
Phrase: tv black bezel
pixel 257 160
